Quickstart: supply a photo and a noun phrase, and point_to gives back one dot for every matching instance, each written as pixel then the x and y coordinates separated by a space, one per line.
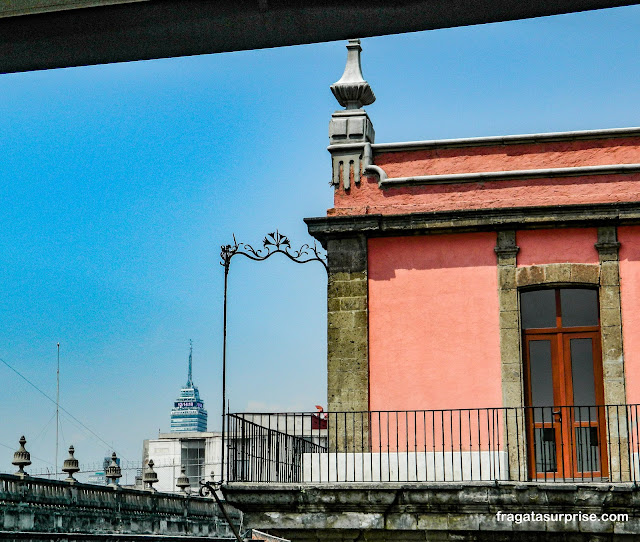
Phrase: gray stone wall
pixel 347 326
pixel 348 342
pixel 612 347
pixel 610 316
pixel 510 348
pixel 438 511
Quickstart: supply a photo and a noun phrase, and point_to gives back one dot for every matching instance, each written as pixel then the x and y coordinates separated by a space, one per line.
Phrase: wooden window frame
pixel 560 337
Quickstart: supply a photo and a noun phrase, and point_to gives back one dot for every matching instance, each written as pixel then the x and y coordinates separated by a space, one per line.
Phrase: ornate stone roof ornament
pixel 352 91
pixel 183 481
pixel 350 130
pixel 21 458
pixel 113 471
pixel 71 466
pixel 150 476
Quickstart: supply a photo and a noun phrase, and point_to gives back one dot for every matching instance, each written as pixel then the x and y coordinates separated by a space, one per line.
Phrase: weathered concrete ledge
pixel 11 536
pixel 436 511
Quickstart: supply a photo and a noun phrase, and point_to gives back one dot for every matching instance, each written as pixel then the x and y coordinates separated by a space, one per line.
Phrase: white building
pixel 199 453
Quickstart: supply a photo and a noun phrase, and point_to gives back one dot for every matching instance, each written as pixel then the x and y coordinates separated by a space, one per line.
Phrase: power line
pixel 14 449
pixel 33 440
pixel 54 402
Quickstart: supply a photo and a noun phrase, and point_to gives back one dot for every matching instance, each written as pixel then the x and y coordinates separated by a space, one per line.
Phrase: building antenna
pixel 57 410
pixel 190 379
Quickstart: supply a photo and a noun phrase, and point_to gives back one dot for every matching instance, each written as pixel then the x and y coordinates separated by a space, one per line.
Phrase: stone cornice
pixel 378 225
pixel 487 141
pixel 508 140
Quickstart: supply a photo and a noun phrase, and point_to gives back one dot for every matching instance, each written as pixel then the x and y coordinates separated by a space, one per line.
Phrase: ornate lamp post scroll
pixel 273 243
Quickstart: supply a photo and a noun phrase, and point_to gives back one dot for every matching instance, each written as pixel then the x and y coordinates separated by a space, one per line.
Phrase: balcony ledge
pixel 399 511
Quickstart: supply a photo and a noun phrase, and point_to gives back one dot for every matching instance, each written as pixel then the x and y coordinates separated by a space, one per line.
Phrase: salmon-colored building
pixel 485 272
pixel 483 313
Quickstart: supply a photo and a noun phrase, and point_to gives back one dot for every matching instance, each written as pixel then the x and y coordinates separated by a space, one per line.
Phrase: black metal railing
pixel 544 444
pixel 271 447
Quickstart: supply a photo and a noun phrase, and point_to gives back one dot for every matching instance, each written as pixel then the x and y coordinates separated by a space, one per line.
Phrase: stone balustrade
pixel 42 505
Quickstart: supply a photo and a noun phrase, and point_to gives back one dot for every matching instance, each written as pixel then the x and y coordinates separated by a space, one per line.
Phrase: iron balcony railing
pixel 543 444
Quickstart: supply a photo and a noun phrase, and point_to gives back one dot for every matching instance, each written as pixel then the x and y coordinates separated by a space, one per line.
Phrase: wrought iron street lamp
pixel 273 243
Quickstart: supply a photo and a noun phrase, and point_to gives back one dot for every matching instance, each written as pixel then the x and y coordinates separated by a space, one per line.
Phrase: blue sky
pixel 120 183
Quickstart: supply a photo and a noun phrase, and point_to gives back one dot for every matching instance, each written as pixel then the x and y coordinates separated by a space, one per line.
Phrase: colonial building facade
pixel 483 304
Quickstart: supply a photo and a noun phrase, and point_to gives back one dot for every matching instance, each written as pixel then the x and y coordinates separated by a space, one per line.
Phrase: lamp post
pixel 273 243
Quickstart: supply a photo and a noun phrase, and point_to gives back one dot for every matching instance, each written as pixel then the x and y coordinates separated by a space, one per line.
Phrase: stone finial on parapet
pixel 113 471
pixel 70 466
pixel 352 91
pixel 183 481
pixel 21 458
pixel 150 476
pixel 350 130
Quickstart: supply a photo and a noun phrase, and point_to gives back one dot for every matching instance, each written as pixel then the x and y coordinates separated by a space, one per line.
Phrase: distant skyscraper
pixel 188 412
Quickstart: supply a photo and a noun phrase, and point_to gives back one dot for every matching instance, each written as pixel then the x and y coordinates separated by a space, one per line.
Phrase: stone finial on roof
pixel 21 458
pixel 352 91
pixel 113 471
pixel 70 466
pixel 351 130
pixel 183 481
pixel 150 476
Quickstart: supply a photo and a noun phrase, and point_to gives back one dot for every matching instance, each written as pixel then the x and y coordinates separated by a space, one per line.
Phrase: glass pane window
pixel 579 307
pixel 584 390
pixel 576 307
pixel 538 309
pixel 541 375
pixel 193 460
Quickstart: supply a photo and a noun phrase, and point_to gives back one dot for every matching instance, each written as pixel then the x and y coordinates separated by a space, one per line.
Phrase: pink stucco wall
pixel 562 245
pixel 368 198
pixel 629 237
pixel 433 322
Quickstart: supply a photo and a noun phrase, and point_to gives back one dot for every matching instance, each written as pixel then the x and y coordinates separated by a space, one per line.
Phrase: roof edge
pixel 608 133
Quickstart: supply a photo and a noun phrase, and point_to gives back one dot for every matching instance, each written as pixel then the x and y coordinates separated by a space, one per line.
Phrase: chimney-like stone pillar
pixel 350 132
pixel 350 129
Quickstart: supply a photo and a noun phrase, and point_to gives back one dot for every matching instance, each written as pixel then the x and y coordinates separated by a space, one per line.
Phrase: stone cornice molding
pixel 508 140
pixel 519 139
pixel 503 252
pixel 521 218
